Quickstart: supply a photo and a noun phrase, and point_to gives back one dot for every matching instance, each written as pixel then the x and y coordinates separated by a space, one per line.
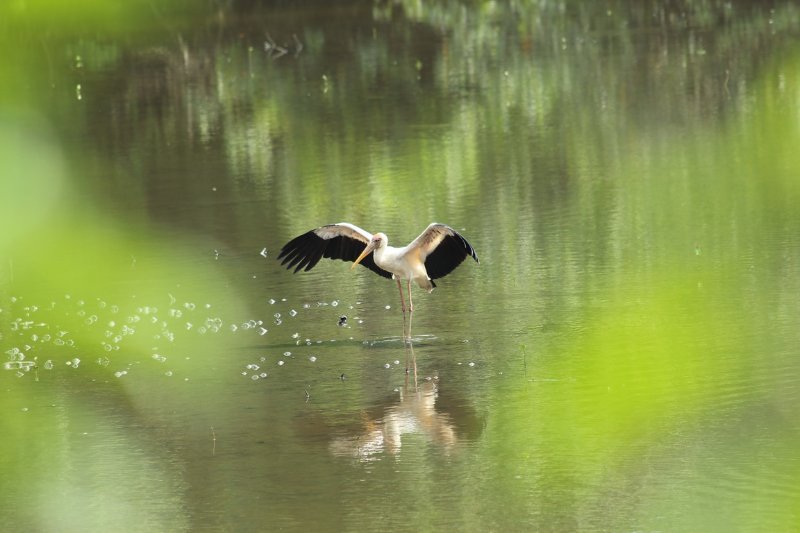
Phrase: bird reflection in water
pixel 414 412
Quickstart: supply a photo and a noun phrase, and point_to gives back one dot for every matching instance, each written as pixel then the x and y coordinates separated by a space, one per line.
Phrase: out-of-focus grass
pixel 48 17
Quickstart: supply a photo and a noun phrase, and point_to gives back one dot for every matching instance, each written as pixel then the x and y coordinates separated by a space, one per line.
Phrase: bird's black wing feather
pixel 450 253
pixel 305 251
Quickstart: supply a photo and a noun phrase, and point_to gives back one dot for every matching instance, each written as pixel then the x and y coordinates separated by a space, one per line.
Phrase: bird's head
pixel 379 240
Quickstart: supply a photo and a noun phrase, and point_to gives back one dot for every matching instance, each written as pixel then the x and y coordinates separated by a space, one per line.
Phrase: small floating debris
pixel 263 252
pixel 312 359
pixel 342 320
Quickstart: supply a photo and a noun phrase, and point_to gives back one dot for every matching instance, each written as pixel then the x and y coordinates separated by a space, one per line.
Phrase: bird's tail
pixel 426 283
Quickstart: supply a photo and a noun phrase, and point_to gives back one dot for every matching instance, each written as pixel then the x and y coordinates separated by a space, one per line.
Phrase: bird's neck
pixel 379 254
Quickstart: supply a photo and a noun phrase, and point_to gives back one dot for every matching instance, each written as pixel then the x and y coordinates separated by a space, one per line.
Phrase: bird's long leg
pixel 403 307
pixel 402 300
pixel 410 310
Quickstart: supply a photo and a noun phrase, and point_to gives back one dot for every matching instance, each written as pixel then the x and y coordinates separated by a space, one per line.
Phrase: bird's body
pixel 434 254
pixel 403 263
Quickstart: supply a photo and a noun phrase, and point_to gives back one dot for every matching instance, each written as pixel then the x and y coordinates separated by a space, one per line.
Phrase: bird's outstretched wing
pixel 335 241
pixel 442 249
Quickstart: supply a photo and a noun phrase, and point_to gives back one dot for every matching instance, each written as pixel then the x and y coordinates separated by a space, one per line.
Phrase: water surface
pixel 623 358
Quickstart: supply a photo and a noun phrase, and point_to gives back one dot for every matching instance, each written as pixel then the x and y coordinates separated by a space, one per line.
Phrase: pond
pixel 624 357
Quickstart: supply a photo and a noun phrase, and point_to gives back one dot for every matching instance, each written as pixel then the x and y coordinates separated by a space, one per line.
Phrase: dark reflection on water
pixel 624 357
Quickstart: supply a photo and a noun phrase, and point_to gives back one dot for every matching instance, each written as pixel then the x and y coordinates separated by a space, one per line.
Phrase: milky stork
pixel 435 253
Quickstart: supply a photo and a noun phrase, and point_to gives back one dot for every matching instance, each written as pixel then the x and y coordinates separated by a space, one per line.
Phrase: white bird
pixel 434 254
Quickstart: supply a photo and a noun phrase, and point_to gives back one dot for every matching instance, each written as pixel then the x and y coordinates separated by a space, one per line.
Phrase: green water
pixel 624 358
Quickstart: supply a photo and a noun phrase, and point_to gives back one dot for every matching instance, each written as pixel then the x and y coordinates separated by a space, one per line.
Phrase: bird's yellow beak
pixel 364 254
